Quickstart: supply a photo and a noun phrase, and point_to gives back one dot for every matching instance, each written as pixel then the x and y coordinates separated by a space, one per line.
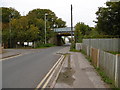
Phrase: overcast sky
pixel 83 10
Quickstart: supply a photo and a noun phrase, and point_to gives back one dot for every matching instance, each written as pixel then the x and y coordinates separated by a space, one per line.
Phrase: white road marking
pixel 40 84
pixel 46 83
pixel 11 57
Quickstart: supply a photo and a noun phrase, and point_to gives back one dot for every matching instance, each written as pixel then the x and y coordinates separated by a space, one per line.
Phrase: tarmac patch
pixel 66 75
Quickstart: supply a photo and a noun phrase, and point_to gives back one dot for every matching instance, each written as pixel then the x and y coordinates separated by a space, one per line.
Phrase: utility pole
pixel 71 24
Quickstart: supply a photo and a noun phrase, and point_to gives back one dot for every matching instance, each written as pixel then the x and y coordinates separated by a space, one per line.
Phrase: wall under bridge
pixel 57 40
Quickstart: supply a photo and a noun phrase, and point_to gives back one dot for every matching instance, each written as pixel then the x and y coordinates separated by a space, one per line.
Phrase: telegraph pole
pixel 71 24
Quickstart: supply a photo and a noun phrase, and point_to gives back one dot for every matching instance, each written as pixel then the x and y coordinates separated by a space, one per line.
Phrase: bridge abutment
pixel 60 40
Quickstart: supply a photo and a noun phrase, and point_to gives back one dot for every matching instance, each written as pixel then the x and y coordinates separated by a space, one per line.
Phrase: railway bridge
pixel 66 31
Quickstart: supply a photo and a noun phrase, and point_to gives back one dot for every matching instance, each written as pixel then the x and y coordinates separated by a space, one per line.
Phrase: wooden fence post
pixel 98 56
pixel 116 71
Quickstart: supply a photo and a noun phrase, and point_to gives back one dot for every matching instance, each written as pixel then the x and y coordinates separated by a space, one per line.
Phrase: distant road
pixel 28 70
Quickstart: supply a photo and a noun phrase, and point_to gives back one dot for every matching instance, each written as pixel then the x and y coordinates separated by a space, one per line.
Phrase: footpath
pixel 77 72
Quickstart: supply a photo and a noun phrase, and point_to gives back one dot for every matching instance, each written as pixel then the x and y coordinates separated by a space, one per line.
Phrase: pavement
pixel 9 53
pixel 64 50
pixel 77 72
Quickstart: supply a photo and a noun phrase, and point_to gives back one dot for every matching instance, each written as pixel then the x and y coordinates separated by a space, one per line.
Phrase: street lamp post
pixel 45 27
pixel 10 19
pixel 10 29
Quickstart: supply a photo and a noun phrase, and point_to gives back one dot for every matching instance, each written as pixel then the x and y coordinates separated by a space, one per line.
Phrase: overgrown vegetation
pixel 104 76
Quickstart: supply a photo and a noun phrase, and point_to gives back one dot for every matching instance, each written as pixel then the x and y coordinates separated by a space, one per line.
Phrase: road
pixel 28 70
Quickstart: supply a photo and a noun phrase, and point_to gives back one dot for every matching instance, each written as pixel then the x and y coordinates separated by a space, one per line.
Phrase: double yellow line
pixel 43 84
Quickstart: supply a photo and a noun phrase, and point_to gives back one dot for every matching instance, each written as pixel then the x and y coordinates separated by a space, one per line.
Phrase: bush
pixel 101 36
pixel 48 45
pixel 45 45
pixel 72 47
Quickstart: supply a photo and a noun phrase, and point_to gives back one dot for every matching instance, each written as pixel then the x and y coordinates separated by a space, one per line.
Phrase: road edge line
pixel 54 81
pixel 40 84
pixel 49 78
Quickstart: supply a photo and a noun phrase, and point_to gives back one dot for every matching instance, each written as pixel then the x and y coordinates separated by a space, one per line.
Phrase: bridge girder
pixel 64 33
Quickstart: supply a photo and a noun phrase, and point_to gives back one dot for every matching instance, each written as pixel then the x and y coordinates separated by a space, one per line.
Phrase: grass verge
pixel 113 52
pixel 104 76
pixel 74 50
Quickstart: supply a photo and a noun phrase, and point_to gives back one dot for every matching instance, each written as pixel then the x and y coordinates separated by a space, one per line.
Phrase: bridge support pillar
pixel 60 41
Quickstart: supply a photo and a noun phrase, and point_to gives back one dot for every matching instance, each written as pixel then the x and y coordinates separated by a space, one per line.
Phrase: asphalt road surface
pixel 28 70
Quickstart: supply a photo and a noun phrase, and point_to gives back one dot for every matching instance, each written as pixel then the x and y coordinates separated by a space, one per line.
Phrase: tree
pixel 78 36
pixel 52 19
pixel 9 13
pixel 108 19
pixel 93 33
pixel 32 34
pixel 5 37
pixel 40 14
pixel 23 30
pixel 81 30
pixel 60 23
pixel 84 29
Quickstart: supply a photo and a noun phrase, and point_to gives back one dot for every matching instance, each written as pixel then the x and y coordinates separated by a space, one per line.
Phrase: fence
pixel 108 62
pixel 103 44
pixel 78 46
